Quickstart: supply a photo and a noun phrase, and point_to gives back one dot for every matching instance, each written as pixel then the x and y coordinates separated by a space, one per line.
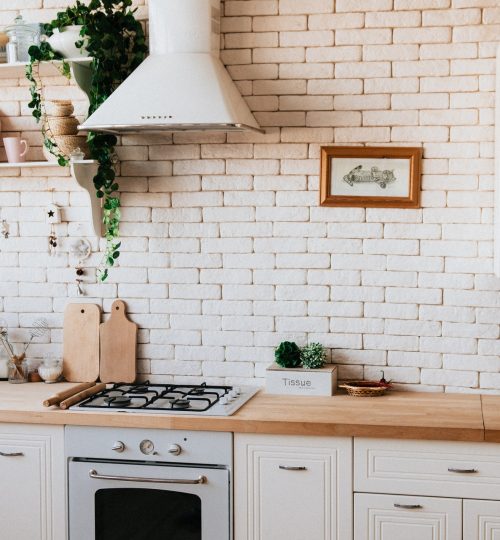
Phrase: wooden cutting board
pixel 81 342
pixel 118 347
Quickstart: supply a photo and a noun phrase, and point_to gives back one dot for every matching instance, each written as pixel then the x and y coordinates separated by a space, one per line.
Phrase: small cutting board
pixel 118 347
pixel 81 342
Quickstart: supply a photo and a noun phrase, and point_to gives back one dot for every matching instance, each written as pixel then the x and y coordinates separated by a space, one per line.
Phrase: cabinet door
pixel 292 488
pixel 481 520
pixel 394 517
pixel 32 498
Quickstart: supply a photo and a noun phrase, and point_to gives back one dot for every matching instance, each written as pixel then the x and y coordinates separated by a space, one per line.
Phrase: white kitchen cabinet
pixel 395 517
pixel 32 473
pixel 434 468
pixel 292 488
pixel 481 520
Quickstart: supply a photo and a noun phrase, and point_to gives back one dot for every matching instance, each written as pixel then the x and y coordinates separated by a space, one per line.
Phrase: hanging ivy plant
pixel 37 103
pixel 115 41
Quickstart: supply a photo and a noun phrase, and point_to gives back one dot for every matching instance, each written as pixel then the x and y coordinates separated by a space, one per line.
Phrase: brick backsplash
pixel 225 249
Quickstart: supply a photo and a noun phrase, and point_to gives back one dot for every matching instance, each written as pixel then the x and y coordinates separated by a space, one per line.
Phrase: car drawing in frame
pixel 359 175
pixel 370 176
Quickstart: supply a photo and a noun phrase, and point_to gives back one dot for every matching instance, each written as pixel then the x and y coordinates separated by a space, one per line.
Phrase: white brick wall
pixel 225 250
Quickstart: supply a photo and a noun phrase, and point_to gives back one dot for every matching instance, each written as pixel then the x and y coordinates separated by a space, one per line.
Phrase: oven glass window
pixel 147 514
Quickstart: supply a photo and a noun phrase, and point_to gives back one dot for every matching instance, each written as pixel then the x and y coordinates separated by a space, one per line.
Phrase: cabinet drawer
pixel 451 469
pixel 393 517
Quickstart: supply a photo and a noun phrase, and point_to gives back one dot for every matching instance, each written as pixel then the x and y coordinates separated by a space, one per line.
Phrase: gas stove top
pixel 202 399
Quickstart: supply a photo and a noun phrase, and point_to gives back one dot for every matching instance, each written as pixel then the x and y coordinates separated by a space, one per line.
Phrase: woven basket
pixel 62 125
pixel 67 144
pixel 59 107
pixel 365 388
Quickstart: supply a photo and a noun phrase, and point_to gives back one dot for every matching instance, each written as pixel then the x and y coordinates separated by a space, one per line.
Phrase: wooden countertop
pixel 491 417
pixel 401 415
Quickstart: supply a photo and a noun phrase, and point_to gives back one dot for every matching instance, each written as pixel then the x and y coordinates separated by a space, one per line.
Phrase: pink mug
pixel 13 148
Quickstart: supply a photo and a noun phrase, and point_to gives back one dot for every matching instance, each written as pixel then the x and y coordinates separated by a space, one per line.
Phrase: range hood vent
pixel 182 85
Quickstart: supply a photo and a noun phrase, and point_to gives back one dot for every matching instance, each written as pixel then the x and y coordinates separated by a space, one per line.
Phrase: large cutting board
pixel 118 347
pixel 81 342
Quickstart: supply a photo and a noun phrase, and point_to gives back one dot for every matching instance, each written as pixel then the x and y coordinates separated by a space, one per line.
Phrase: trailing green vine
pixel 44 53
pixel 115 41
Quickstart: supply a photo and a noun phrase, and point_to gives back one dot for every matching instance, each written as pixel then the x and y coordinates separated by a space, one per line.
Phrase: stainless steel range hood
pixel 182 85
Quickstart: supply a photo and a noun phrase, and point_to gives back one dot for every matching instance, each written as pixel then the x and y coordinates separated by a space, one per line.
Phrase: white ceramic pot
pixel 63 41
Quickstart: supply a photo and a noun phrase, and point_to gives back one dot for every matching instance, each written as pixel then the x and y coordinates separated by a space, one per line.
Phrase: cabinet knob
pixel 462 471
pixel 292 468
pixel 408 506
pixel 11 454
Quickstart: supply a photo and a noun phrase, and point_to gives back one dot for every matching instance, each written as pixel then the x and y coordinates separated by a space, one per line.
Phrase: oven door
pixel 147 501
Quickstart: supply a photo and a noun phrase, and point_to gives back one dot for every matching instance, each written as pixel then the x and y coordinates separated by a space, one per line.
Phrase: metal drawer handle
pixel 94 474
pixel 462 471
pixel 292 468
pixel 408 506
pixel 11 454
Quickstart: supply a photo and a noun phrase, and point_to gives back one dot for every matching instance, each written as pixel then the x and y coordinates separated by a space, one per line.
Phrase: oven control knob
pixel 118 446
pixel 234 394
pixel 174 449
pixel 224 400
pixel 237 390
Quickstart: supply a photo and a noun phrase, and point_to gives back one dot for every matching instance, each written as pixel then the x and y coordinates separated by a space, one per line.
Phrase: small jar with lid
pixel 50 370
pixel 21 37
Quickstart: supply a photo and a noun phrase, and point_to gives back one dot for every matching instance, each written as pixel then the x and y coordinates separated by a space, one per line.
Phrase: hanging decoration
pixel 80 250
pixel 53 218
pixel 5 229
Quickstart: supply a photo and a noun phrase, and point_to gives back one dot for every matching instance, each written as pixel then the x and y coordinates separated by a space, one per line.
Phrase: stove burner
pixel 117 401
pixel 180 403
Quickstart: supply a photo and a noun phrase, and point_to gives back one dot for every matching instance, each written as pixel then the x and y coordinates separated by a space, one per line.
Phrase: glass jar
pixel 32 371
pixel 50 370
pixel 21 37
pixel 18 370
pixel 4 365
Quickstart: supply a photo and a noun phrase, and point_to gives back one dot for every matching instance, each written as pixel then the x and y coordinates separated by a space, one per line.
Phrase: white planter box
pixel 300 381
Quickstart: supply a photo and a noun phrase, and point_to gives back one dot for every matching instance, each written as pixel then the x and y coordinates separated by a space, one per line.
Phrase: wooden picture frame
pixel 363 176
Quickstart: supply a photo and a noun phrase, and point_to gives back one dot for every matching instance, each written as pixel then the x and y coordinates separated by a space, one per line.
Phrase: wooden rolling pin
pixel 61 396
pixel 82 395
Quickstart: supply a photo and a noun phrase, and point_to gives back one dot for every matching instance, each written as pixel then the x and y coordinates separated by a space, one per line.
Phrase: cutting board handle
pixel 118 308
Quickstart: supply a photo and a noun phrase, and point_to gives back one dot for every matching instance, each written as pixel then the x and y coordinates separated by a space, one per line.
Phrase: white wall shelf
pixel 80 70
pixel 83 172
pixel 47 69
pixel 36 164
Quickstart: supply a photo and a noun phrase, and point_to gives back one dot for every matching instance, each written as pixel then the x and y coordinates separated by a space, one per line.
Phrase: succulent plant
pixel 287 354
pixel 313 356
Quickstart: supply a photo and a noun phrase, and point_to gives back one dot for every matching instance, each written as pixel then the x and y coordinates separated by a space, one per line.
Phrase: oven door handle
pixel 94 474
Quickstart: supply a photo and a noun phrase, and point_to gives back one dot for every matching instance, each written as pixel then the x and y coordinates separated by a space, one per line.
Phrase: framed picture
pixel 370 176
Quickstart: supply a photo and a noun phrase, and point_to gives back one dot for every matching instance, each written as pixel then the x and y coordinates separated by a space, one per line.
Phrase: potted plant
pixel 115 41
pixel 301 371
pixel 65 34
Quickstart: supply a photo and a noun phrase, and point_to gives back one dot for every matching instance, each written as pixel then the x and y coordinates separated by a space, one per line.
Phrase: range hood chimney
pixel 182 85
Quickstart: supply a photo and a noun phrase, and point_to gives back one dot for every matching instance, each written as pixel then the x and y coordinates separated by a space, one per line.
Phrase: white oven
pixel 136 484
